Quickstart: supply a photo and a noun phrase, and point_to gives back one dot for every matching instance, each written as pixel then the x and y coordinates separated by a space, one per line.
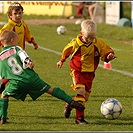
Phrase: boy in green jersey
pixel 16 65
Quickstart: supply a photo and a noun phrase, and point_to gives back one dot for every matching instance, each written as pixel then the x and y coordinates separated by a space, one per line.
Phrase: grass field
pixel 46 113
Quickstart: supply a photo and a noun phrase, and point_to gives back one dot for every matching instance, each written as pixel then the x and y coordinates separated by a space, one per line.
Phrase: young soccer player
pixel 85 50
pixel 17 66
pixel 16 24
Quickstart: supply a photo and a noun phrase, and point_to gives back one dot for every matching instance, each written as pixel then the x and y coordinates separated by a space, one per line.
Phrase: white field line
pixel 115 70
pixel 116 49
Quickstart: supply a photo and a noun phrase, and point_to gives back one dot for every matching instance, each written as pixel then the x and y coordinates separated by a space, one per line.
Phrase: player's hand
pixel 35 46
pixel 59 64
pixel 30 65
pixel 111 56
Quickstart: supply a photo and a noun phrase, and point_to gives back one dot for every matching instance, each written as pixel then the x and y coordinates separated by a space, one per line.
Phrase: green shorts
pixel 34 86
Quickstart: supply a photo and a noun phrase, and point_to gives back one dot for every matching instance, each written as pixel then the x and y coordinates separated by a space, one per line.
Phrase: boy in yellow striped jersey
pixel 86 50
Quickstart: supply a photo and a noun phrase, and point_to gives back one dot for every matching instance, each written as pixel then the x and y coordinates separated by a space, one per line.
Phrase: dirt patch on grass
pixel 50 21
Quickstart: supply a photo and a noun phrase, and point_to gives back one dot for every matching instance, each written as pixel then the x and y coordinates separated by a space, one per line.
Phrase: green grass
pixel 46 113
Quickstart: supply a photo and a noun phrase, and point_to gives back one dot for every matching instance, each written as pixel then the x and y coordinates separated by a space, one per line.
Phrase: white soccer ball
pixel 111 108
pixel 61 30
pixel 79 21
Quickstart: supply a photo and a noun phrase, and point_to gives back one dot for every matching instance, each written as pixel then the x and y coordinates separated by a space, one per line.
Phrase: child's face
pixel 16 16
pixel 88 37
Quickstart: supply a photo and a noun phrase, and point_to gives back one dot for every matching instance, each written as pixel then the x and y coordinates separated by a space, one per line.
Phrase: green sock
pixel 60 94
pixel 3 107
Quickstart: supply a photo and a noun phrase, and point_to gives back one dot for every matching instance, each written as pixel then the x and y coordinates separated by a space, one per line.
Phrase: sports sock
pixel 3 107
pixel 60 94
pixel 81 100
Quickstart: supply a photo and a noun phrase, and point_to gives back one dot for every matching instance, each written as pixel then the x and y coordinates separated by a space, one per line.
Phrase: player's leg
pixel 81 82
pixel 87 78
pixel 39 87
pixel 3 109
pixel 80 98
pixel 13 90
pixel 8 91
pixel 60 94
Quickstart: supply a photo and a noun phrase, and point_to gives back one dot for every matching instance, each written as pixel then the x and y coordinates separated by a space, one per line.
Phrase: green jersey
pixel 22 80
pixel 12 64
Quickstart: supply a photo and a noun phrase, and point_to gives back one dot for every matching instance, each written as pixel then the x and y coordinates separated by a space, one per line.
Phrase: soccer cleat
pixel 67 110
pixel 3 121
pixel 81 121
pixel 77 105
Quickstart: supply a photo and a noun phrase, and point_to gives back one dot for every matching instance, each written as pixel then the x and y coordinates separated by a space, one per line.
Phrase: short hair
pixel 14 6
pixel 88 26
pixel 7 35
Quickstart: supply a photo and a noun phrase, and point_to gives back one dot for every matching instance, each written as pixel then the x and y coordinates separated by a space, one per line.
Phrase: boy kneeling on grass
pixel 17 66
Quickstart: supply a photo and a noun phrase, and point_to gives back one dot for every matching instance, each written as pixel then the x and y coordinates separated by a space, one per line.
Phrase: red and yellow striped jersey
pixel 85 57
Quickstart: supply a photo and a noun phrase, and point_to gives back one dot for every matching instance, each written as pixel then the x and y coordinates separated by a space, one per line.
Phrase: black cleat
pixel 81 121
pixel 67 110
pixel 77 105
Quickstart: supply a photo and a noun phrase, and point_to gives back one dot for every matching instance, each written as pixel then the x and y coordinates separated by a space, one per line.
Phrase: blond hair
pixel 7 35
pixel 88 26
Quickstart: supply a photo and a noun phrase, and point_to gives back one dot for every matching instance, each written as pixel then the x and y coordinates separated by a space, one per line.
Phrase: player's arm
pixel 67 51
pixel 107 54
pixel 27 62
pixel 28 36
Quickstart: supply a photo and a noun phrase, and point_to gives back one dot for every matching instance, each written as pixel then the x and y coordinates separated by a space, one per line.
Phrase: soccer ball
pixel 61 30
pixel 79 21
pixel 111 108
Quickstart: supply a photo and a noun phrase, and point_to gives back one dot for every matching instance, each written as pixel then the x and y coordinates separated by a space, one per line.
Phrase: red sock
pixel 79 114
pixel 81 99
